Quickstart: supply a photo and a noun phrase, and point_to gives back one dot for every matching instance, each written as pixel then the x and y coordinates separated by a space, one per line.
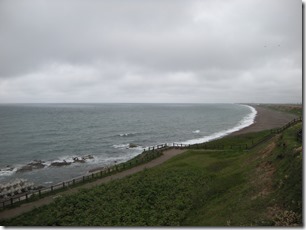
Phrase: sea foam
pixel 127 134
pixel 245 122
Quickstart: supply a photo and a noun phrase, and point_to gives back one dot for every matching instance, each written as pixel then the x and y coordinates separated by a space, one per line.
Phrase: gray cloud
pixel 150 51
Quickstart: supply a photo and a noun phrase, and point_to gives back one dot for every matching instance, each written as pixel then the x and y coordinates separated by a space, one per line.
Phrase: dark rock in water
pixel 131 145
pixel 59 164
pixel 25 168
pixel 77 160
pixel 7 169
pixel 88 157
pixel 33 165
pixel 37 164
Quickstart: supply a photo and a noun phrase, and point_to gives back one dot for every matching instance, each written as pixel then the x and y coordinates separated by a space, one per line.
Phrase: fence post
pixel 63 184
pixel 39 192
pixel 51 188
pixel 26 196
pixel 11 201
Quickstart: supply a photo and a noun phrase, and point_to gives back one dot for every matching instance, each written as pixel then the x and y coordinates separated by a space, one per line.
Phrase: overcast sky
pixel 203 51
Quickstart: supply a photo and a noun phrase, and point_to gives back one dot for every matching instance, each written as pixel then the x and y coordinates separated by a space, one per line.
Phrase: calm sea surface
pixel 57 132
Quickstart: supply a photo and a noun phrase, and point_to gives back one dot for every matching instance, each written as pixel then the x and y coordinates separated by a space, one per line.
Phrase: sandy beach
pixel 266 119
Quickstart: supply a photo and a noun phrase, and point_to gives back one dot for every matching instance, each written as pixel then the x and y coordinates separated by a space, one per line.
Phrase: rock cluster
pixel 131 145
pixel 75 160
pixel 60 163
pixel 36 164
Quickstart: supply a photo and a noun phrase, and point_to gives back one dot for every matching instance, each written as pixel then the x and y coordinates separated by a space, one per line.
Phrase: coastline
pixel 266 119
pixel 260 118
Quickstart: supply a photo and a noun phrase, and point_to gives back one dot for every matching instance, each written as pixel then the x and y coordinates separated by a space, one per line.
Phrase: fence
pixel 148 154
pixel 140 159
pixel 289 124
pixel 277 131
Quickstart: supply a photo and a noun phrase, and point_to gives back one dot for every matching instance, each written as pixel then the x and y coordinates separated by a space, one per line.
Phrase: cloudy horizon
pixel 195 51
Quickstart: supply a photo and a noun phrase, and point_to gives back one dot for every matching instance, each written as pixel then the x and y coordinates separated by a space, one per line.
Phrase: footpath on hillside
pixel 265 119
pixel 167 154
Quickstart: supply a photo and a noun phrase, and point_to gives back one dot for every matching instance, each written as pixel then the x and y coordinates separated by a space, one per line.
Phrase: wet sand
pixel 266 119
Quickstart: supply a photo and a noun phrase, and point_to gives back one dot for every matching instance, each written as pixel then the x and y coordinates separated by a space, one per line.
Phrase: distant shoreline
pixel 266 119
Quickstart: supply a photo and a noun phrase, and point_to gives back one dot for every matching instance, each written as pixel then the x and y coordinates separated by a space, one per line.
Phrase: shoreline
pixel 266 119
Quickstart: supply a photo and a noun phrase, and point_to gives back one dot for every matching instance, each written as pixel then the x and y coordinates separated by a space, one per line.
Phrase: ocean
pixel 56 132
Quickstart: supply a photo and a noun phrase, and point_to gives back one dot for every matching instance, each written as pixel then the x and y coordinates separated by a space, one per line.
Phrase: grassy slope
pixel 294 109
pixel 200 187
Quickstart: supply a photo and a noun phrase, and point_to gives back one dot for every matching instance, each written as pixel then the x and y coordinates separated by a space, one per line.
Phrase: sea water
pixel 57 132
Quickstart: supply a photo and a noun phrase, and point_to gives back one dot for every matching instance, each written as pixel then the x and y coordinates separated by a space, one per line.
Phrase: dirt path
pixel 46 200
pixel 265 119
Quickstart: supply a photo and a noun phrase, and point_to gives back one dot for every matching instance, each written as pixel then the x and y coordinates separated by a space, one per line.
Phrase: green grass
pixel 197 188
pixel 296 109
pixel 237 142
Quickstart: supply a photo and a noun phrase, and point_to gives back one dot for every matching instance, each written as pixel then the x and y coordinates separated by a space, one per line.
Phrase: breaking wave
pixel 245 122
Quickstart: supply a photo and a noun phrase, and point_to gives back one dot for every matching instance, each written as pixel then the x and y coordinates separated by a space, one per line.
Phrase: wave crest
pixel 245 122
pixel 126 134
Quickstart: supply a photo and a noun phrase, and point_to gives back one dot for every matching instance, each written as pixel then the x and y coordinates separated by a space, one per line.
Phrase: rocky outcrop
pixel 25 168
pixel 7 169
pixel 82 159
pixel 60 163
pixel 36 164
pixel 131 145
pixel 88 157
pixel 78 160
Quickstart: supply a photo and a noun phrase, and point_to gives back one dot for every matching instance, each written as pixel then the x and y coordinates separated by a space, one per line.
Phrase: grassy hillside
pixel 296 109
pixel 200 187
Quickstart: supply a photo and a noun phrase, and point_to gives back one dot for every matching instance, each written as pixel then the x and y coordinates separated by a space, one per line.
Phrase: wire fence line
pixel 147 155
